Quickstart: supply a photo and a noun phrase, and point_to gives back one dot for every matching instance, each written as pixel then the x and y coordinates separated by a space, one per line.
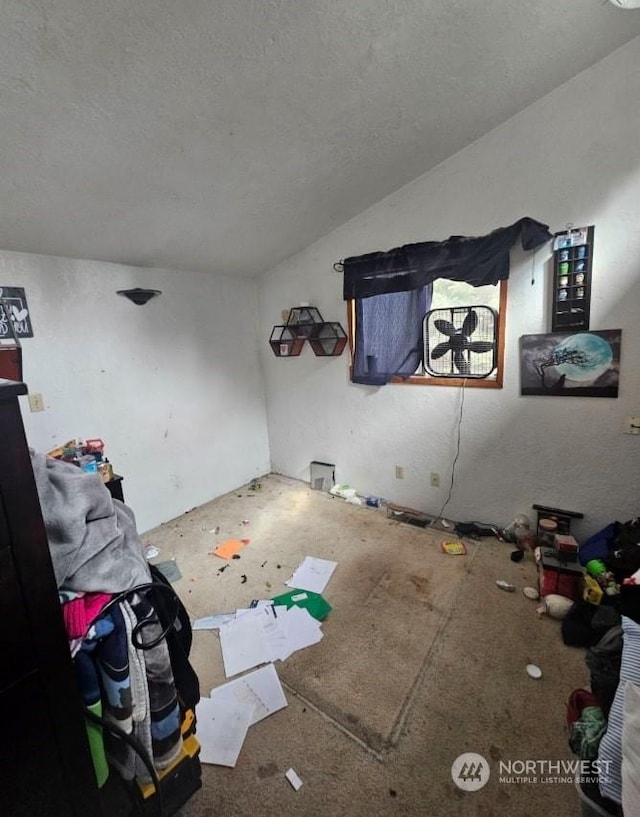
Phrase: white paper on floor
pixel 260 690
pixel 270 610
pixel 212 622
pixel 313 574
pixel 243 643
pixel 293 778
pixel 224 718
pixel 299 628
pixel 293 629
pixel 222 728
pixel 261 635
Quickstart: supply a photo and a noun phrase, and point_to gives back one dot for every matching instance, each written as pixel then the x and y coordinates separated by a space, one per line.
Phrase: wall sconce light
pixel 139 296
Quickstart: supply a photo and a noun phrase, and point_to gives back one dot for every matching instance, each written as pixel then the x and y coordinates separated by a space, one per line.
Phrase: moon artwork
pixel 580 364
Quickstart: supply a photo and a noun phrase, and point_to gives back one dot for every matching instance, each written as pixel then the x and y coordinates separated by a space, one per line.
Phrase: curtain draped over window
pixel 389 335
pixel 392 291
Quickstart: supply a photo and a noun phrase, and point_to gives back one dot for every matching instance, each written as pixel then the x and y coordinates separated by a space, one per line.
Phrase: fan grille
pixel 452 338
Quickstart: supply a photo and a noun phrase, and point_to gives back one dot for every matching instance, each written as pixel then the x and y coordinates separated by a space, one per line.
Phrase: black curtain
pixel 476 261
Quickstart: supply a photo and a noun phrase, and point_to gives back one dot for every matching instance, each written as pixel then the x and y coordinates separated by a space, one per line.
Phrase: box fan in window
pixel 460 341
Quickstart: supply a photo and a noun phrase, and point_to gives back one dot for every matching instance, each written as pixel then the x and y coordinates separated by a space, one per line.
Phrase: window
pixel 448 293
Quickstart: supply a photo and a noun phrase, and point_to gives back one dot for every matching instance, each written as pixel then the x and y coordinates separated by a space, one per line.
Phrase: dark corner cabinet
pixel 45 764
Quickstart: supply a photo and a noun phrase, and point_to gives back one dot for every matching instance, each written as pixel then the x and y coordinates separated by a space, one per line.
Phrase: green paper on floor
pixel 317 606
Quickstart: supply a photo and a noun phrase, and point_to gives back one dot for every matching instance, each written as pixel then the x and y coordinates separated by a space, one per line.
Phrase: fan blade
pixel 469 324
pixel 440 350
pixel 445 327
pixel 461 362
pixel 480 346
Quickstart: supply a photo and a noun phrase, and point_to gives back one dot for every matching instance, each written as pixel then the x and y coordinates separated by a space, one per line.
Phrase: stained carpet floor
pixel 422 659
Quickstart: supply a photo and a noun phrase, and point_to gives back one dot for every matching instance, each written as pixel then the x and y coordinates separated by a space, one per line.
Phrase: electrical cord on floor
pixel 138 748
pixel 455 459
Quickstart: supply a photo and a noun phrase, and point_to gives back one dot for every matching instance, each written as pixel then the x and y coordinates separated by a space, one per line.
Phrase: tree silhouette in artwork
pixel 576 357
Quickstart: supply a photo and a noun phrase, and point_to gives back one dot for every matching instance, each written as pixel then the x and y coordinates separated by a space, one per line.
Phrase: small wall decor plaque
pixel 16 300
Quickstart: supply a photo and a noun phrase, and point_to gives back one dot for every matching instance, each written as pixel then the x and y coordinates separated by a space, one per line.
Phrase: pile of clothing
pixel 127 642
pixel 604 724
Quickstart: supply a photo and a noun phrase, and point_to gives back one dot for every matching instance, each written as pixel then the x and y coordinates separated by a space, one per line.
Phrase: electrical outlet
pixel 399 471
pixel 36 403
pixel 632 425
pixel 435 480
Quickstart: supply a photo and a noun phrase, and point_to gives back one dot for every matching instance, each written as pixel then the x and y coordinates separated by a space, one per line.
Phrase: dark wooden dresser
pixel 45 765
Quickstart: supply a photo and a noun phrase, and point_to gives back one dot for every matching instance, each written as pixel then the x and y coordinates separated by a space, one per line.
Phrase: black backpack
pixel 624 551
pixel 174 619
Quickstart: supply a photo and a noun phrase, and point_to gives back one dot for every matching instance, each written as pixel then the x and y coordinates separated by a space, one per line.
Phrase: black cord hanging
pixel 533 268
pixel 455 459
pixel 137 643
pixel 139 749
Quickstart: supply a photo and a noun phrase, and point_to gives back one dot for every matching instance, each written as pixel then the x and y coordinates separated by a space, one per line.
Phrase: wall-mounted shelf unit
pixel 285 342
pixel 572 268
pixel 329 341
pixel 305 323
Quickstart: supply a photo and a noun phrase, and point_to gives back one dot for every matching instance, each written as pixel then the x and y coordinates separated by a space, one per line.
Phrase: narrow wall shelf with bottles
pixel 572 269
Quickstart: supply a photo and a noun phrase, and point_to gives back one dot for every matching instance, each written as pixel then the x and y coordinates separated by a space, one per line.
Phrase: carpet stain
pixel 421 583
pixel 381 583
pixel 268 770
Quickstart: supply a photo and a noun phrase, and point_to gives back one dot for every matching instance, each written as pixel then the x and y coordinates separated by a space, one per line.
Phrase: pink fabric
pixel 79 613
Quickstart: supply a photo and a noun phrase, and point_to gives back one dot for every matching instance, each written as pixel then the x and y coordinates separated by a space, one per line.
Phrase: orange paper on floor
pixel 227 549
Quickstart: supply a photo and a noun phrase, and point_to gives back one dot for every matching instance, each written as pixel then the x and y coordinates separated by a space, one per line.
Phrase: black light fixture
pixel 139 296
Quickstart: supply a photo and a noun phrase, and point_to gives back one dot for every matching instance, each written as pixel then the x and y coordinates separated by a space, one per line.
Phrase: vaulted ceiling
pixel 224 135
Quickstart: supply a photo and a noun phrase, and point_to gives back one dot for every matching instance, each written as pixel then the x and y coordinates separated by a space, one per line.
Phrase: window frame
pixel 429 380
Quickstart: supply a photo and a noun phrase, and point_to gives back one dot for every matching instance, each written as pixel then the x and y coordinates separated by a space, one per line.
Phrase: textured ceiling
pixel 225 135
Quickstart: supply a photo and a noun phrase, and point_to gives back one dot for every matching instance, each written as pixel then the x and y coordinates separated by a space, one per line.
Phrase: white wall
pixel 174 387
pixel 574 156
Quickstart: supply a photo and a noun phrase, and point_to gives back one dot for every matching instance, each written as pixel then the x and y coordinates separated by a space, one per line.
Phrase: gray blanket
pixel 93 540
